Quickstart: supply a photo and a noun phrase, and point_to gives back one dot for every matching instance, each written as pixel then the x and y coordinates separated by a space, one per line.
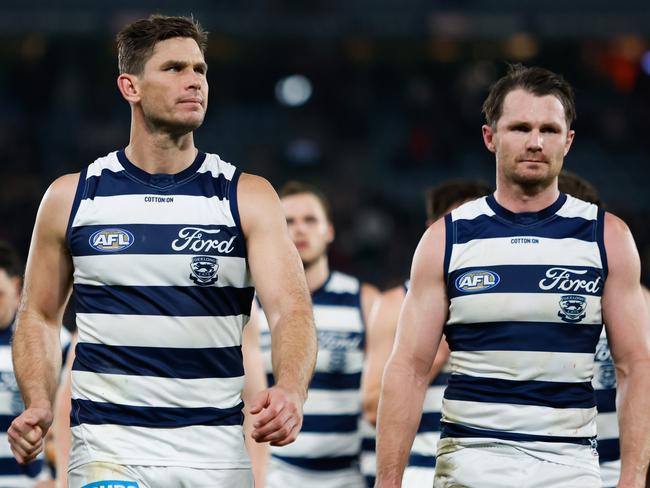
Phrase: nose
pixel 194 81
pixel 535 141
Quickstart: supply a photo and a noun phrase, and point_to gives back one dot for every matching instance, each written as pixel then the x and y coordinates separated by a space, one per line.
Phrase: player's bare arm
pixel 282 289
pixel 381 336
pixel 254 383
pixel 379 344
pixel 628 331
pixel 418 335
pixel 36 345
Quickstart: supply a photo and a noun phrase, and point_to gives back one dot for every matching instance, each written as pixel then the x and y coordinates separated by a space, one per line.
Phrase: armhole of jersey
pixel 449 244
pixel 600 238
pixel 234 207
pixel 363 318
pixel 81 190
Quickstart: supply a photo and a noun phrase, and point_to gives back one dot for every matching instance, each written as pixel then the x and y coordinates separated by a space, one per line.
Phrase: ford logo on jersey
pixel 478 280
pixel 111 240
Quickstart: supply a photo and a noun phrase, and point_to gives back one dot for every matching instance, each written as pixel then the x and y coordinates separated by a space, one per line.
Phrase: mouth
pixel 191 101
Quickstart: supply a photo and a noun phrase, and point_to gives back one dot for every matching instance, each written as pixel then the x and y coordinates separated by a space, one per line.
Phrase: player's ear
pixel 488 137
pixel 129 87
pixel 330 233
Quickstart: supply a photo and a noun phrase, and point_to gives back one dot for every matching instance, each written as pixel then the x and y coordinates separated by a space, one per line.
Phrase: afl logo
pixel 478 280
pixel 111 240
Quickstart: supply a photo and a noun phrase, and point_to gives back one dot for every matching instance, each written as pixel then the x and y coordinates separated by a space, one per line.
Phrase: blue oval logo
pixel 111 240
pixel 478 280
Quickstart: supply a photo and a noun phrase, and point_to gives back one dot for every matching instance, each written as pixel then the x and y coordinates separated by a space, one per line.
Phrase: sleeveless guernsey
pixel 163 290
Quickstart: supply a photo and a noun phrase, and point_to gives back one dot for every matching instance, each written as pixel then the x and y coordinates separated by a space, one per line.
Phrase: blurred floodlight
pixel 645 63
pixel 293 90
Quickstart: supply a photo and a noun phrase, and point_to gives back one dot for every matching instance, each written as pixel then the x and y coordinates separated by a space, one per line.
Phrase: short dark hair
pixel 294 187
pixel 453 192
pixel 538 81
pixel 136 42
pixel 9 260
pixel 575 186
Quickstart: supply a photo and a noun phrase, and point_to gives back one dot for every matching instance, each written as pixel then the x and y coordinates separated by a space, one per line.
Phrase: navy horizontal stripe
pixel 530 279
pixel 172 301
pixel 523 336
pixel 486 227
pixel 608 450
pixel 335 299
pixel 96 413
pixel 330 423
pixel 163 362
pixel 191 239
pixel 320 464
pixel 420 461
pixel 5 422
pixel 441 379
pixel 10 467
pixel 111 183
pixel 430 422
pixel 540 393
pixel 369 444
pixel 458 430
pixel 336 381
pixel 606 400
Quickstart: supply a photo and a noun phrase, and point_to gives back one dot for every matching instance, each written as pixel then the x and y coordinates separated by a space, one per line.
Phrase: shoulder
pixel 393 296
pixel 619 244
pixel 255 187
pixel 61 192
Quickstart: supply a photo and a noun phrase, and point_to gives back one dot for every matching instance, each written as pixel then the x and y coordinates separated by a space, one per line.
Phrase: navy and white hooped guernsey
pixel 162 291
pixel 524 320
pixel 330 438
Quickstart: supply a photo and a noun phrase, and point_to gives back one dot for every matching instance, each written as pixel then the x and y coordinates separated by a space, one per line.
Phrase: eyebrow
pixel 174 62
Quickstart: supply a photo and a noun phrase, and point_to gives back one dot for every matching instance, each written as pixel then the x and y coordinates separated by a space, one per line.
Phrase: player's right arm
pixel 407 372
pixel 36 349
pixel 282 289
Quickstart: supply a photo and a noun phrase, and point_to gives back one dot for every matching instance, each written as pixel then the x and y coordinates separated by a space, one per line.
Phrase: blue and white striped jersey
pixel 13 474
pixel 330 438
pixel 605 385
pixel 524 321
pixel 162 291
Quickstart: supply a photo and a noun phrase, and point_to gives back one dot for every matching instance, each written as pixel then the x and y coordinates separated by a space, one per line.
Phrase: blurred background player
pixel 440 200
pixel 13 474
pixel 326 453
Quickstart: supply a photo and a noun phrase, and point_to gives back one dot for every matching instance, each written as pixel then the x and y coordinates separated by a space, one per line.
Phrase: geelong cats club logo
pixel 572 308
pixel 204 270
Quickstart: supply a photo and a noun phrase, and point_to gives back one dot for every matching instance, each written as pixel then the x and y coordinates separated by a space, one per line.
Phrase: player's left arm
pixel 628 329
pixel 282 289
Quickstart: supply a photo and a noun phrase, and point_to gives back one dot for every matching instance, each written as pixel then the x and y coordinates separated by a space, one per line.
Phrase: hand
pixel 280 416
pixel 26 433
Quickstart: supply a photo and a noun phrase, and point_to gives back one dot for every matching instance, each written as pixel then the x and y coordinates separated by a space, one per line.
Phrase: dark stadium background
pixel 397 87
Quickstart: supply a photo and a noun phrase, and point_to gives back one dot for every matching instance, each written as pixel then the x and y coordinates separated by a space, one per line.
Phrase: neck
pixel 155 151
pixel 317 273
pixel 517 198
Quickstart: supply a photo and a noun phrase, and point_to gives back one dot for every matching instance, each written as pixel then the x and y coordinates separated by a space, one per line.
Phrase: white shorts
pixel 105 475
pixel 418 477
pixel 283 475
pixel 489 463
pixel 610 472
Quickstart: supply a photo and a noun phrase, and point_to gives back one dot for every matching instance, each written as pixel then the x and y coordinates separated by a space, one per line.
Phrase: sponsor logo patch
pixel 111 240
pixel 204 270
pixel 568 279
pixel 572 308
pixel 478 280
